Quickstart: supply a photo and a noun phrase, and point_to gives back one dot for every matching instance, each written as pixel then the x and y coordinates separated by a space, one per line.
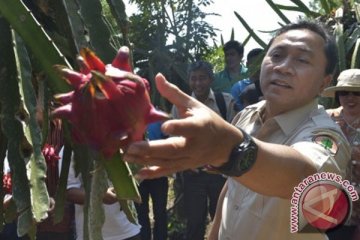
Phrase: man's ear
pixel 326 82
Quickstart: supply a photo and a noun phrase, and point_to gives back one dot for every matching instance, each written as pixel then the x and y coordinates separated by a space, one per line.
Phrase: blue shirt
pixel 236 89
pixel 154 131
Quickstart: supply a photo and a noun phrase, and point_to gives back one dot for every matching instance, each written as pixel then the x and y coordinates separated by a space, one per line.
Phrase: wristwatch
pixel 241 159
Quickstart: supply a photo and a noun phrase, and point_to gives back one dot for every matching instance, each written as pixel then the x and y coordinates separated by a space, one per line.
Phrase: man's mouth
pixel 280 83
pixel 351 104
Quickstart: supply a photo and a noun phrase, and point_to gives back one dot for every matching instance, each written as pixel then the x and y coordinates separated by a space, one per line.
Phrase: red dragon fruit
pixel 110 106
pixel 50 155
pixel 7 183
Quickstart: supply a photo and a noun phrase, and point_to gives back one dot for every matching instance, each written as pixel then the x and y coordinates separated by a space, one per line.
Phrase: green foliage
pixel 37 165
pixel 34 35
pixel 251 31
pixel 48 33
pixel 17 146
pixel 216 57
pixel 166 36
pixel 325 7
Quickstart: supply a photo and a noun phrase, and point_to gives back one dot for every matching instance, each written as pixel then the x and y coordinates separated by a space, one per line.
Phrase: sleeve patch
pixel 326 142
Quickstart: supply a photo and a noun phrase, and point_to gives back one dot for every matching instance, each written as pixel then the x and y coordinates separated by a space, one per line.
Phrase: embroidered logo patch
pixel 326 142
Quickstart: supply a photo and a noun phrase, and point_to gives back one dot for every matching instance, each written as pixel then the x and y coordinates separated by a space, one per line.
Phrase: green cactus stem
pixel 36 165
pixel 124 183
pixel 24 23
pixel 12 129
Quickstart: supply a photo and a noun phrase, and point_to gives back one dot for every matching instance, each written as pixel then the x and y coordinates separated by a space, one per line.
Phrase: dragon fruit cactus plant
pixel 109 106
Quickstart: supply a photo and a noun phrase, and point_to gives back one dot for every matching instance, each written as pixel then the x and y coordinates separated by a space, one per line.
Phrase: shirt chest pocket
pixel 250 202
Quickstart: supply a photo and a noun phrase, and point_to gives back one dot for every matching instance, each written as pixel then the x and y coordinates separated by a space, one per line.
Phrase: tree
pixel 167 35
pixel 324 7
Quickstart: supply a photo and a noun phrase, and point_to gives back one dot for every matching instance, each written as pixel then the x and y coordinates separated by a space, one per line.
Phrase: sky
pixel 257 13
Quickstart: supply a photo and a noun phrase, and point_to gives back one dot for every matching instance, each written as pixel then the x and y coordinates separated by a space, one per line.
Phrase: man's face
pixel 293 70
pixel 200 82
pixel 232 58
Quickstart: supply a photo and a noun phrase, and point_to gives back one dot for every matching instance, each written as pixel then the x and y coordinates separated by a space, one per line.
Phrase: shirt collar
pixel 290 120
pixel 242 70
pixel 297 116
pixel 211 95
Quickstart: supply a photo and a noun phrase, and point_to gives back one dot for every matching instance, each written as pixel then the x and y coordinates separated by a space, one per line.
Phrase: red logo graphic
pixel 325 206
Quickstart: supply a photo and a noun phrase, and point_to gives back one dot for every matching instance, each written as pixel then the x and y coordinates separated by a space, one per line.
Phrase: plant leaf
pixel 12 129
pixel 24 23
pixel 251 31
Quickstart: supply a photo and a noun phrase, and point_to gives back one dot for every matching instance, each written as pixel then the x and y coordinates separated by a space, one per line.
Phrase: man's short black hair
pixel 201 65
pixel 254 53
pixel 330 48
pixel 233 44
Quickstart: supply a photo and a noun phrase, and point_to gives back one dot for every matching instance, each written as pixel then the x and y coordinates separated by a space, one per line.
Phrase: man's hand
pixel 200 137
pixel 110 196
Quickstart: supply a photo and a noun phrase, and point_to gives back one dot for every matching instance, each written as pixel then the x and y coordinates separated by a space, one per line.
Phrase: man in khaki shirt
pixel 292 138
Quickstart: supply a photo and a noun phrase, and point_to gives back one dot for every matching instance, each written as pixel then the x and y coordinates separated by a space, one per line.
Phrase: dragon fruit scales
pixel 109 106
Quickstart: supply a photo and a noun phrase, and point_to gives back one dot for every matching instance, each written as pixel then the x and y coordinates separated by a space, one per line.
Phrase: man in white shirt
pixel 116 226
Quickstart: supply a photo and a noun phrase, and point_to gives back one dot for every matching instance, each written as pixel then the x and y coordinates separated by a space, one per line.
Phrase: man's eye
pixel 276 56
pixel 303 60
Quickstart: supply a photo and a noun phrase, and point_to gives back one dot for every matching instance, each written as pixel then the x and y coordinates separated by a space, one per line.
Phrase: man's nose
pixel 285 66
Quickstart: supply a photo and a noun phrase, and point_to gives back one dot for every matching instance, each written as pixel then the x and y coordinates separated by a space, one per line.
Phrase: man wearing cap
pixel 347 116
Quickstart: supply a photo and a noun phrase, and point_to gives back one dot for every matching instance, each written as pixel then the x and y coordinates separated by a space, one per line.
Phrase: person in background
pixel 234 70
pixel 47 229
pixel 269 148
pixel 347 116
pixel 250 95
pixel 9 231
pixel 157 189
pixel 64 230
pixel 116 225
pixel 251 84
pixel 201 187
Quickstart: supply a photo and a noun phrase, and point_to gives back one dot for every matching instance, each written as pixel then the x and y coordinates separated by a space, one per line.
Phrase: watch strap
pixel 241 158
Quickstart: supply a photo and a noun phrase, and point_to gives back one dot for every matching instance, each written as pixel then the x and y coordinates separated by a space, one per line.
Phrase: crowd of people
pixel 240 143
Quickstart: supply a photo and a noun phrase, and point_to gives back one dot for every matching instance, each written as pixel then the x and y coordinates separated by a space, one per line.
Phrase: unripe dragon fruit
pixel 110 106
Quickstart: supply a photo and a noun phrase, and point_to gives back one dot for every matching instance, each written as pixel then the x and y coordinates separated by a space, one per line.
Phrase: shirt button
pixel 236 207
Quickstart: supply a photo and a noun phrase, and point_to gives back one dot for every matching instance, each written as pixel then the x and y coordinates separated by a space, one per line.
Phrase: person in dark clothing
pixel 157 190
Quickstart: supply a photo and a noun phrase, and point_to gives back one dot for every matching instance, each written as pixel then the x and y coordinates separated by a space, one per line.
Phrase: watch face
pixel 241 158
pixel 248 159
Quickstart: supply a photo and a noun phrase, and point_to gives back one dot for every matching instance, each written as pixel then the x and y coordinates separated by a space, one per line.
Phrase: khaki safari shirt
pixel 250 215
